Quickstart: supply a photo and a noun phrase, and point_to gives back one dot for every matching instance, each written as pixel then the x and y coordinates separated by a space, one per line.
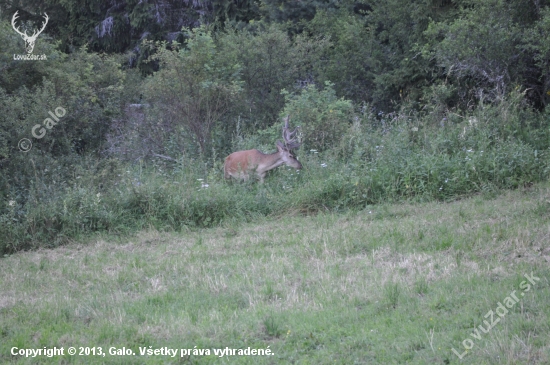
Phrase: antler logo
pixel 29 40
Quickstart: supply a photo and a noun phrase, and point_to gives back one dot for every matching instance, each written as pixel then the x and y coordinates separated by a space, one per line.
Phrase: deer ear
pixel 280 145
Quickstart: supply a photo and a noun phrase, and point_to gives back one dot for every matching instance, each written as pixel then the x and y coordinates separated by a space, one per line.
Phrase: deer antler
pixel 288 137
pixel 36 32
pixel 46 18
pixel 13 19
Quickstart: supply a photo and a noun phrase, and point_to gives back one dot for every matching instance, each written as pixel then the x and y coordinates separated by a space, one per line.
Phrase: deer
pixel 29 40
pixel 241 164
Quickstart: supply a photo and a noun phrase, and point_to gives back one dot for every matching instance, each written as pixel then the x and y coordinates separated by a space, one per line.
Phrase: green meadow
pixel 417 231
pixel 389 284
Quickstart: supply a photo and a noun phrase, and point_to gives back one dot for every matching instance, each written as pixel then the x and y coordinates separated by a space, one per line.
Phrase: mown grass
pixel 395 283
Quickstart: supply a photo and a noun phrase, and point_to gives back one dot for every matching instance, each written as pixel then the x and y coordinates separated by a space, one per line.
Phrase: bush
pixel 324 118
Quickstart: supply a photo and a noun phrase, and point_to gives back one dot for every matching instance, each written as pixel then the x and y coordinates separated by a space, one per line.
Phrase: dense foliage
pixel 430 99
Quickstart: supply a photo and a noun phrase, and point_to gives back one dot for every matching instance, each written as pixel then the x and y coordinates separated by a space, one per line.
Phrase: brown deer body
pixel 240 165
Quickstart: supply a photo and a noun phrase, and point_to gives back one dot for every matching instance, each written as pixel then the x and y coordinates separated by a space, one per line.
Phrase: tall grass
pixel 401 160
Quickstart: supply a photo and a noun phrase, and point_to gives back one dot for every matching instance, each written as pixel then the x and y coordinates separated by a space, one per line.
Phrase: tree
pixel 193 89
pixel 537 43
pixel 482 47
pixel 268 65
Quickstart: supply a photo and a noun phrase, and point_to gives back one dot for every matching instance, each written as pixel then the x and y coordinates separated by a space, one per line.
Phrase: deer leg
pixel 262 176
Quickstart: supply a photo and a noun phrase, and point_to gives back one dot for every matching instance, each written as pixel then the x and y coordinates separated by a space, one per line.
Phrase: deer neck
pixel 272 161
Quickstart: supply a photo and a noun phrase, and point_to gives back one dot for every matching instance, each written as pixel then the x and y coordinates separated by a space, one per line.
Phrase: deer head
pixel 289 139
pixel 29 40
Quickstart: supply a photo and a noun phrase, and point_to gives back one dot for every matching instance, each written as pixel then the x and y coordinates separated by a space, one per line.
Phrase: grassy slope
pixel 391 284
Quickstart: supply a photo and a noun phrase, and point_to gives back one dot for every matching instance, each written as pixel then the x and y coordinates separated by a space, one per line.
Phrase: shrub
pixel 323 117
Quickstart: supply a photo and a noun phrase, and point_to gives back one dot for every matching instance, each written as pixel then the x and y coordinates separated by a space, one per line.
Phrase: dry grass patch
pixel 307 286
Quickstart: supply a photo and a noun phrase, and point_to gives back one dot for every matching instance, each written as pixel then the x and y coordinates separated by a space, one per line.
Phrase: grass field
pixel 392 284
